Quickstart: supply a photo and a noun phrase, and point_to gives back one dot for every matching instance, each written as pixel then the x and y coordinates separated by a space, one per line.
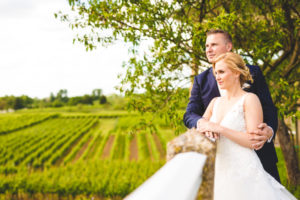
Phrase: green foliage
pixel 144 153
pixel 44 142
pixel 13 122
pixel 45 158
pixel 8 103
pixel 118 149
pixel 118 102
pixel 53 147
pixel 16 103
pixel 265 33
pixel 295 189
pixel 102 99
pixel 101 178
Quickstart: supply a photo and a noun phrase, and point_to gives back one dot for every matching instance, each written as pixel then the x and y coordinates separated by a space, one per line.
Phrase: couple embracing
pixel 242 119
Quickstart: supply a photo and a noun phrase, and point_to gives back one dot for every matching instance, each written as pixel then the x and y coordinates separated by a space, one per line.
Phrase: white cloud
pixel 16 8
pixel 38 56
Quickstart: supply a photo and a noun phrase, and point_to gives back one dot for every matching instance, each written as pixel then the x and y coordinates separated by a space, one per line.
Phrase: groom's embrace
pixel 205 89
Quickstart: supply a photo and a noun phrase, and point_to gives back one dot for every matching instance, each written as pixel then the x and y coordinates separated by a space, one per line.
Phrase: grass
pixel 295 190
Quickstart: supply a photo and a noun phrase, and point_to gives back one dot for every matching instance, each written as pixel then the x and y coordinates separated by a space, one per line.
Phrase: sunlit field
pixel 81 153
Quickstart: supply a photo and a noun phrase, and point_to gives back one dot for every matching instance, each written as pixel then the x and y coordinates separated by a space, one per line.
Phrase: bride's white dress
pixel 239 174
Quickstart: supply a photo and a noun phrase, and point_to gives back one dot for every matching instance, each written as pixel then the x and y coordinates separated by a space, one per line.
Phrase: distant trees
pixel 15 103
pixel 62 98
pixel 58 100
pixel 96 96
pixel 85 99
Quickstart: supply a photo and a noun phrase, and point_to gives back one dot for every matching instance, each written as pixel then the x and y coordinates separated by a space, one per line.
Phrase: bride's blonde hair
pixel 235 63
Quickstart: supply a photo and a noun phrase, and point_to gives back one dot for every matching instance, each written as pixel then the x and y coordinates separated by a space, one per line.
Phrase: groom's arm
pixel 195 108
pixel 260 88
pixel 263 93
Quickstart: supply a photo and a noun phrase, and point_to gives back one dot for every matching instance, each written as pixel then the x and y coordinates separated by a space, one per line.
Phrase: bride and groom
pixel 220 108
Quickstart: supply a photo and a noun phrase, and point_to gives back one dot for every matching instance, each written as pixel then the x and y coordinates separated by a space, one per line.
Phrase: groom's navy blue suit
pixel 205 89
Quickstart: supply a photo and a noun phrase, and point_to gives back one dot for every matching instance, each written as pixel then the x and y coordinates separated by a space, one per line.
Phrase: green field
pixel 73 155
pixel 70 154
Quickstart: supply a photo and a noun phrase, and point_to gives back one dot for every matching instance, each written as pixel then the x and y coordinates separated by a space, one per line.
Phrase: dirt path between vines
pixel 159 146
pixel 61 159
pixel 149 146
pixel 83 148
pixel 133 149
pixel 107 147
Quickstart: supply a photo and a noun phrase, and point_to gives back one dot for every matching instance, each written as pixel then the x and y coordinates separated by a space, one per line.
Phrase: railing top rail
pixel 179 178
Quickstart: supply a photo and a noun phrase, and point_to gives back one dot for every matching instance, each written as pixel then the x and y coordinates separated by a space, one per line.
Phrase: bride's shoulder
pixel 212 103
pixel 251 98
pixel 215 98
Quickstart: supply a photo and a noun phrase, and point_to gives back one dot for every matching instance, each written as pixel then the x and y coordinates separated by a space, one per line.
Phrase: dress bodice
pixel 239 173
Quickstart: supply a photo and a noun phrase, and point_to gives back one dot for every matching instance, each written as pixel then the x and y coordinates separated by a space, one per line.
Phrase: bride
pixel 239 174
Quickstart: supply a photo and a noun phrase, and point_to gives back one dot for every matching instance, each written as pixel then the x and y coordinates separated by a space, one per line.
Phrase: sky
pixel 37 54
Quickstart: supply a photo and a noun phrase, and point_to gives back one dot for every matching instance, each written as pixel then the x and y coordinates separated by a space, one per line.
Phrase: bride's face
pixel 225 76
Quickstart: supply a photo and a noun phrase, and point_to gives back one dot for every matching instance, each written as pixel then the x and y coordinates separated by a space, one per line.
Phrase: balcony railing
pixel 188 174
pixel 179 178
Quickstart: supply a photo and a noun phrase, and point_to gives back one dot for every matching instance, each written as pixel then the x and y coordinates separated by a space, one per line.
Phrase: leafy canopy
pixel 265 33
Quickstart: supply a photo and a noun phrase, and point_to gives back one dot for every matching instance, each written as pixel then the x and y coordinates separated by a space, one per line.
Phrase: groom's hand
pixel 260 136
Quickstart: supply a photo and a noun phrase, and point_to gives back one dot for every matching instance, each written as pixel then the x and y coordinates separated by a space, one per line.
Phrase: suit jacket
pixel 205 89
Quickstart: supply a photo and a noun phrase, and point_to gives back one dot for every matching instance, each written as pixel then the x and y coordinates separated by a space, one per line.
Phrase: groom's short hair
pixel 225 33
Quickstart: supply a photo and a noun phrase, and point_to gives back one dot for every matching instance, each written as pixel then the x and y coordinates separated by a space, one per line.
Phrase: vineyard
pixel 61 156
pixel 49 155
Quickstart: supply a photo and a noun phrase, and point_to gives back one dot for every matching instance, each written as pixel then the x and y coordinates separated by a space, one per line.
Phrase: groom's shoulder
pixel 255 71
pixel 204 74
pixel 253 67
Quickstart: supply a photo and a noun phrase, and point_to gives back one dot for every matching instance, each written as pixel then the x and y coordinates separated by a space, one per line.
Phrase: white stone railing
pixel 191 158
pixel 180 178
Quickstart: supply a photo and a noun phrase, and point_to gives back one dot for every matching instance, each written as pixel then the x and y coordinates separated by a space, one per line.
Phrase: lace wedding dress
pixel 239 174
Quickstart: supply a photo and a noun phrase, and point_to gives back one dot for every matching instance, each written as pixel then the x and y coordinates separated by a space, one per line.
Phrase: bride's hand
pixel 207 128
pixel 211 135
pixel 204 126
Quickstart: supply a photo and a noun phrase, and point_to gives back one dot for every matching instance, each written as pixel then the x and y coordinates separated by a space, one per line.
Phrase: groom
pixel 205 89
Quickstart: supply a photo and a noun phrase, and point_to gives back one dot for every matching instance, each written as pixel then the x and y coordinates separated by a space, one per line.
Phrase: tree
pixel 266 33
pixel 62 96
pixel 74 101
pixel 87 99
pixel 52 97
pixel 18 103
pixel 2 104
pixel 96 94
pixel 26 101
pixel 102 99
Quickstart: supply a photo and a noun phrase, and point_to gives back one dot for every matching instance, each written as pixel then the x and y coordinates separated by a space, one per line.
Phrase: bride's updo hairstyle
pixel 235 63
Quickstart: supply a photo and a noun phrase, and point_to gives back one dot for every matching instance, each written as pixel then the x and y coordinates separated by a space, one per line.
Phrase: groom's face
pixel 215 45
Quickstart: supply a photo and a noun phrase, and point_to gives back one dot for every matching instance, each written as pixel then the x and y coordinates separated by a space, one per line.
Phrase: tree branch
pixel 292 67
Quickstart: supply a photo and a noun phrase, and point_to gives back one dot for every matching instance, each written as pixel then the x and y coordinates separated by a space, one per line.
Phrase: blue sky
pixel 37 54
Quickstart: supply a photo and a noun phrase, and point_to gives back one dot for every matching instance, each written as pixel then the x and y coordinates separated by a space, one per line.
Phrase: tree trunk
pixel 289 153
pixel 195 69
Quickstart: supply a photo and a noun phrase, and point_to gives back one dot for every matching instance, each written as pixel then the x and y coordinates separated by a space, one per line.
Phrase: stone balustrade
pixel 188 174
pixel 192 141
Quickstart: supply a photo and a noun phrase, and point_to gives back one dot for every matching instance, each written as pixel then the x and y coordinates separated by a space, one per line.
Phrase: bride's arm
pixel 253 112
pixel 208 112
pixel 202 122
pixel 253 117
